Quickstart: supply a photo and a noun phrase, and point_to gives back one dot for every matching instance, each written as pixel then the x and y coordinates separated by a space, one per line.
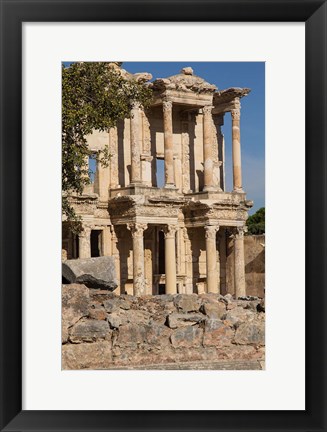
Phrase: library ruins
pixel 161 208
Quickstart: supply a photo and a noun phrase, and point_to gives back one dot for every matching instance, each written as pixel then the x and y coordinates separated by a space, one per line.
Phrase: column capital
pixel 236 113
pixel 210 231
pixel 85 232
pixel 137 228
pixel 167 104
pixel 207 109
pixel 170 231
pixel 238 232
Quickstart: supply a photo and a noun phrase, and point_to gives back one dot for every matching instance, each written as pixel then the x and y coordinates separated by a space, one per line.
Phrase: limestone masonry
pixel 101 330
pixel 182 236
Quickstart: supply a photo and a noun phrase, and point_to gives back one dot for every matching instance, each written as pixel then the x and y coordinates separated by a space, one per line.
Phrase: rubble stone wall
pixel 101 330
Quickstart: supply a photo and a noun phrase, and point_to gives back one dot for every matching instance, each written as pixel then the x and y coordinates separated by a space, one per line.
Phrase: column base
pixel 238 190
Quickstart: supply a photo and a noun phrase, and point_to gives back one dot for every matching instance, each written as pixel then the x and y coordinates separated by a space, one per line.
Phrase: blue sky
pixel 224 75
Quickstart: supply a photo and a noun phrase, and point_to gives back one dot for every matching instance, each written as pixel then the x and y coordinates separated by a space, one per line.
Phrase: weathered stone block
pixel 217 334
pixel 111 305
pixel 251 333
pixel 238 315
pixel 187 302
pixel 89 331
pixel 98 313
pixel 115 320
pixel 93 272
pixel 187 337
pixel 75 305
pixel 95 355
pixel 125 304
pixel 131 335
pixel 175 320
pixel 137 316
pixel 158 335
pixel 215 310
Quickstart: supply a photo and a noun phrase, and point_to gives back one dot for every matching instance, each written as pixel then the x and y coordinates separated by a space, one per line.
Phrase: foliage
pixel 94 96
pixel 256 222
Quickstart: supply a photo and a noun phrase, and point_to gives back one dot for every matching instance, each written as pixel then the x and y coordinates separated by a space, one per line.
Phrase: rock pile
pixel 101 330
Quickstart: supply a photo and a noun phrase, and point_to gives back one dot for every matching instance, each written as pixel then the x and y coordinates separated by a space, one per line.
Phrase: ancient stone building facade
pixel 171 237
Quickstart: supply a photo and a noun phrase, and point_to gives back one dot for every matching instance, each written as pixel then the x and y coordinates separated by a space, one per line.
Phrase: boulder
pixel 93 272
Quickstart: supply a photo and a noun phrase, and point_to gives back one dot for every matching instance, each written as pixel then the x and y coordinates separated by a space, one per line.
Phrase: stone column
pixel 84 241
pixel 137 230
pixel 222 259
pixel 167 106
pixel 106 241
pixel 113 162
pixel 239 265
pixel 135 144
pixel 207 149
pixel 213 285
pixel 170 259
pixel 236 150
pixel 188 263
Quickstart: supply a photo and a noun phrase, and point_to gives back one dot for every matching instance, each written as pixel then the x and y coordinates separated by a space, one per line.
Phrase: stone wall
pixel 254 259
pixel 101 330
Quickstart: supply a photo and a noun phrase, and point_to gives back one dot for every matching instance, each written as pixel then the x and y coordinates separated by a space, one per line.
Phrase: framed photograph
pixel 181 328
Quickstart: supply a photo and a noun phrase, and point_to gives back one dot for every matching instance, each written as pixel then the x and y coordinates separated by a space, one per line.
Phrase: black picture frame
pixel 13 14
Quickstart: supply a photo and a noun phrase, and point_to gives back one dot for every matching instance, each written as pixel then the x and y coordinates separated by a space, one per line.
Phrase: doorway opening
pixel 161 253
pixel 96 237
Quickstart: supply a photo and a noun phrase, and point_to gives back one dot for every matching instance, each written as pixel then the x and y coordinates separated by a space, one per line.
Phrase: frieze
pixel 101 213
